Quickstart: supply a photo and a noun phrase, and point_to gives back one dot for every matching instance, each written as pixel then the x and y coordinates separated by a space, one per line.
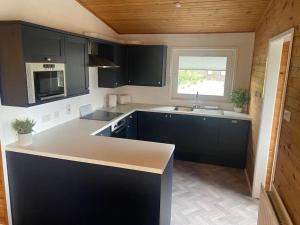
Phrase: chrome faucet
pixel 196 104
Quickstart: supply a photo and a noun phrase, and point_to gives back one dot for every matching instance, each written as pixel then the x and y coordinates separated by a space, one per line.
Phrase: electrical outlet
pixel 287 115
pixel 46 118
pixel 68 109
pixel 56 114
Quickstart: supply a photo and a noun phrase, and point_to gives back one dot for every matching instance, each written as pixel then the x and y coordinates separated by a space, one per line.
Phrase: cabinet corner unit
pixel 140 65
pixel 22 43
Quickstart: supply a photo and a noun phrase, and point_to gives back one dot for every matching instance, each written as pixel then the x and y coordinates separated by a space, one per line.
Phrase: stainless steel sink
pixel 183 108
pixel 209 111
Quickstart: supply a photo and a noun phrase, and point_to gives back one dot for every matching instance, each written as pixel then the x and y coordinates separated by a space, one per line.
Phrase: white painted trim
pixel 282 104
pixel 5 185
pixel 230 52
pixel 269 97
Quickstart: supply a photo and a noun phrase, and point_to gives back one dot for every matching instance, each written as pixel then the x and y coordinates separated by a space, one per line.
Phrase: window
pixel 208 72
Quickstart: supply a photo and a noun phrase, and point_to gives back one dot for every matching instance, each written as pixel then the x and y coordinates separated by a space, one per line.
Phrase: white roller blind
pixel 202 63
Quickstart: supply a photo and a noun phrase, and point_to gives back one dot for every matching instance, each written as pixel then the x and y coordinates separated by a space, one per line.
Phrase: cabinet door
pixel 114 77
pixel 147 65
pixel 41 45
pixel 184 133
pixel 195 137
pixel 76 66
pixel 154 127
pixel 132 126
pixel 207 130
pixel 121 60
pixel 233 141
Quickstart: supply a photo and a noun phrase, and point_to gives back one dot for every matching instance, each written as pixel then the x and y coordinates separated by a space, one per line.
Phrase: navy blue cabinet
pixel 195 137
pixel 77 76
pixel 141 65
pixel 85 193
pixel 22 42
pixel 155 127
pixel 147 65
pixel 42 45
pixel 198 138
pixel 131 131
pixel 114 77
pixel 233 141
pixel 106 132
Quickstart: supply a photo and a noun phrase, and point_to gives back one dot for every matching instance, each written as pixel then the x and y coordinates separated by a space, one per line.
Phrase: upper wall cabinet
pixel 76 65
pixel 147 65
pixel 24 84
pixel 113 77
pixel 41 45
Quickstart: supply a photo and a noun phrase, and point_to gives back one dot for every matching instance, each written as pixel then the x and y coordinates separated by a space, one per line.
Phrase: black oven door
pixel 120 131
pixel 49 84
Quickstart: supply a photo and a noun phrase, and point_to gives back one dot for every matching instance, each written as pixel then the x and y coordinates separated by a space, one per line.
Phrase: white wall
pixel 69 15
pixel 97 98
pixel 244 42
pixel 66 15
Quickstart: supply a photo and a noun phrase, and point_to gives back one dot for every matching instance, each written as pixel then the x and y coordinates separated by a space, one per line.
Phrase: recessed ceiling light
pixel 178 5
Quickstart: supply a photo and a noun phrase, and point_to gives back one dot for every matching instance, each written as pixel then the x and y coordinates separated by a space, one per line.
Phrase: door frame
pixel 275 45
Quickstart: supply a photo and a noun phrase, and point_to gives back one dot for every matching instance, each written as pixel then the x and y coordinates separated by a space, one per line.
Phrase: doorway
pixel 276 76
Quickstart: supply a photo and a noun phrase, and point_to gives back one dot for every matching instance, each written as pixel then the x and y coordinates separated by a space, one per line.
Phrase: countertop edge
pixel 135 108
pixel 90 161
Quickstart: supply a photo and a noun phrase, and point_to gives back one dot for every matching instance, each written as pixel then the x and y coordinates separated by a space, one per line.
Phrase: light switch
pixel 287 115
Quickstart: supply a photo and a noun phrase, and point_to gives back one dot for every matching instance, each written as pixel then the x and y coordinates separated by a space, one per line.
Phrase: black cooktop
pixel 101 115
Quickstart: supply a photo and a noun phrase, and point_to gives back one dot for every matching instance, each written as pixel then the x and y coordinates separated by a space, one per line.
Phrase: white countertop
pixel 74 140
pixel 127 109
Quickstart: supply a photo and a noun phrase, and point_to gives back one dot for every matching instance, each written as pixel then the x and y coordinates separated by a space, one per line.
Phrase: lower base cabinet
pixel 48 191
pixel 202 139
pixel 198 138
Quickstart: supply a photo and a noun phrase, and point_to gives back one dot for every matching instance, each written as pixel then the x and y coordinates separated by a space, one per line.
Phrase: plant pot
pixel 237 109
pixel 25 139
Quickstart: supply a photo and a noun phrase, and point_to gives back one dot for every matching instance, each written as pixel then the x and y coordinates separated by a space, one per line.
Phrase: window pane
pixel 205 75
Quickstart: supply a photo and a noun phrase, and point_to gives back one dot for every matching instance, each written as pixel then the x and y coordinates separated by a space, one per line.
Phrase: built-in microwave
pixel 45 81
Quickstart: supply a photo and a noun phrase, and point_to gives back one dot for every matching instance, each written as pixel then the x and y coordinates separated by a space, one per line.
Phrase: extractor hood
pixel 101 62
pixel 100 55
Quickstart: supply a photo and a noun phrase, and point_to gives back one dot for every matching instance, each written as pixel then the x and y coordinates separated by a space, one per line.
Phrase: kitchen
pixel 153 122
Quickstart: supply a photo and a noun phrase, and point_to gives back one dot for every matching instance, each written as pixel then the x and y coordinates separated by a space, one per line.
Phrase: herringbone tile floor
pixel 211 195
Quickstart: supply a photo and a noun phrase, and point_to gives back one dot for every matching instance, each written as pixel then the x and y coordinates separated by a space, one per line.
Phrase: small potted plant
pixel 24 128
pixel 239 98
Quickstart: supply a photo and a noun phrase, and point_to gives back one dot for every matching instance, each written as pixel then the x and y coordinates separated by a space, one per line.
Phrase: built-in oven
pixel 119 129
pixel 45 81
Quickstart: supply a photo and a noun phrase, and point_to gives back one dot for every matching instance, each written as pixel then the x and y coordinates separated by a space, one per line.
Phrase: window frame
pixel 230 53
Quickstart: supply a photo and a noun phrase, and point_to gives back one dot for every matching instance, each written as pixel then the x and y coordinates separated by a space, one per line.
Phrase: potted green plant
pixel 239 98
pixel 24 128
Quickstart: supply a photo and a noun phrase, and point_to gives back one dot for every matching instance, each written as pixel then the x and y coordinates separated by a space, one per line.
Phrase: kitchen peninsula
pixel 73 172
pixel 86 179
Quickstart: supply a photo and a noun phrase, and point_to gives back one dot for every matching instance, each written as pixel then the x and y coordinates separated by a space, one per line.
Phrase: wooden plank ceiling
pixel 162 16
